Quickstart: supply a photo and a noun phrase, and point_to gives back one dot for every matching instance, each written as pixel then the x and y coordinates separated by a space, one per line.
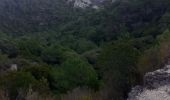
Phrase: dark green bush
pixel 73 73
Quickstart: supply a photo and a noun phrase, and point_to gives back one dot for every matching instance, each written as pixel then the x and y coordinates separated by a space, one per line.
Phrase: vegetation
pixel 117 63
pixel 52 51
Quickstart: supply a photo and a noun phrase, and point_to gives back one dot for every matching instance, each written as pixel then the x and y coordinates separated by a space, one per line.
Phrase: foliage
pixel 14 81
pixel 72 73
pixel 149 61
pixel 53 54
pixel 29 47
pixel 117 67
pixel 156 56
pixel 58 48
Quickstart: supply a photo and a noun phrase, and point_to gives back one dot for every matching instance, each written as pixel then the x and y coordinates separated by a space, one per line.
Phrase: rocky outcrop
pixel 81 3
pixel 86 3
pixel 156 86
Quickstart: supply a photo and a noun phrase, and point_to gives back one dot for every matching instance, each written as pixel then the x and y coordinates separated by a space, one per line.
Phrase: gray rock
pixel 81 3
pixel 156 86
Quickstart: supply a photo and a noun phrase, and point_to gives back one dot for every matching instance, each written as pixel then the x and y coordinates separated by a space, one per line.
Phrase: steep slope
pixel 31 15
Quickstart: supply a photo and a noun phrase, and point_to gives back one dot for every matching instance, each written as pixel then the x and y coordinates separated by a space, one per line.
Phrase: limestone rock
pixel 156 86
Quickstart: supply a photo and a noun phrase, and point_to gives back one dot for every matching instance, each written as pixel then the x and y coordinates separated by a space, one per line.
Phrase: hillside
pixel 80 49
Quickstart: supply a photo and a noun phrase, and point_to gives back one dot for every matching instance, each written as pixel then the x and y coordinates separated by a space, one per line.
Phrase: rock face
pixel 13 67
pixel 81 3
pixel 156 86
pixel 86 3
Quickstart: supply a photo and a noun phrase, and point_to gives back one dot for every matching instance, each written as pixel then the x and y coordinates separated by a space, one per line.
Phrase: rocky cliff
pixel 156 86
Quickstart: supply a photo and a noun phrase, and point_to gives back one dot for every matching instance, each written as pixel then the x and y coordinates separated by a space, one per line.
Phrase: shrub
pixel 53 54
pixel 29 47
pixel 15 81
pixel 149 61
pixel 72 73
pixel 156 56
pixel 39 71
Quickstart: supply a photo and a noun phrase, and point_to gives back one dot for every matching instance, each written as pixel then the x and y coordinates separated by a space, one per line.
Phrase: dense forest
pixel 50 50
